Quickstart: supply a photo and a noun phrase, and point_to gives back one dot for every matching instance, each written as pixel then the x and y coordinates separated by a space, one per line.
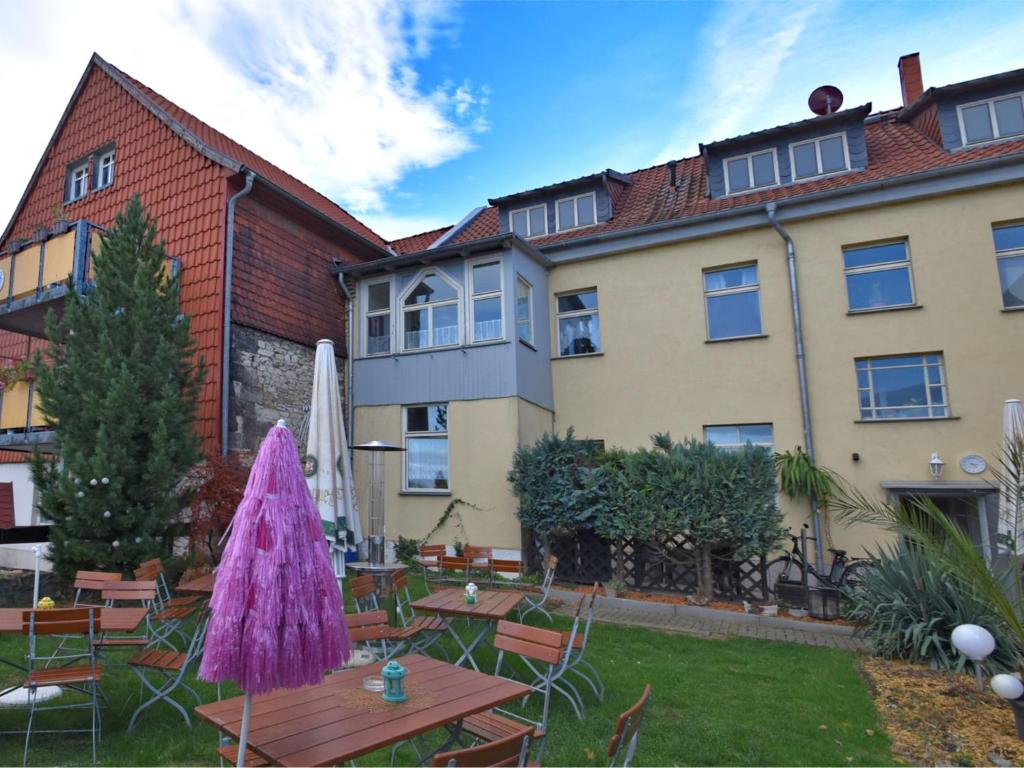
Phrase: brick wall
pixel 271 379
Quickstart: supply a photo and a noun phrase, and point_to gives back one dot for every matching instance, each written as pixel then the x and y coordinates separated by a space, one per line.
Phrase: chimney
pixel 910 78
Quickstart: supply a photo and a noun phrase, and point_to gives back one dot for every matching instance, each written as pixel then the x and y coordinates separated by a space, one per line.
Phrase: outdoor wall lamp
pixel 936 466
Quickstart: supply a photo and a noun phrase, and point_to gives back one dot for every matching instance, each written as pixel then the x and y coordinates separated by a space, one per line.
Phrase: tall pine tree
pixel 119 386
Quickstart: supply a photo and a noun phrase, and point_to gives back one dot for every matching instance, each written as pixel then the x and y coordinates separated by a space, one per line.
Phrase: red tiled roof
pixel 420 242
pixel 227 146
pixel 894 149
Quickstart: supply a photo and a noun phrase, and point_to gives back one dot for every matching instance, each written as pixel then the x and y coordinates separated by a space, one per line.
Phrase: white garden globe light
pixel 1008 686
pixel 974 642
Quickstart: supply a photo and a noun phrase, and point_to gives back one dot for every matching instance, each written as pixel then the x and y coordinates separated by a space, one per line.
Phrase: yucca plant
pixel 938 537
pixel 908 605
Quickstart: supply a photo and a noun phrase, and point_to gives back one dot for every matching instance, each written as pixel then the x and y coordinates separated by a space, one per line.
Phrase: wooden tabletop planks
pixel 490 604
pixel 328 724
pixel 114 619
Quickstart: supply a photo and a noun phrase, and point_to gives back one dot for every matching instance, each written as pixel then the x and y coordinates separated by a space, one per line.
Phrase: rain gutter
pixel 801 367
pixel 229 259
pixel 348 358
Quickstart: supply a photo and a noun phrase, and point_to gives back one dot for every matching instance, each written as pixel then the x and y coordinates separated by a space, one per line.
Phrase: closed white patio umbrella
pixel 1011 503
pixel 327 460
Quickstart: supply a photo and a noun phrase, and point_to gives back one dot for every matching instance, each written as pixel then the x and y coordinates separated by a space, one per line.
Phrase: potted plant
pixel 60 223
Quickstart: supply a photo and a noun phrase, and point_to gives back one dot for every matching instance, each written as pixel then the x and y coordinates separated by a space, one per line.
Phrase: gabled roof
pixel 895 149
pixel 419 242
pixel 217 147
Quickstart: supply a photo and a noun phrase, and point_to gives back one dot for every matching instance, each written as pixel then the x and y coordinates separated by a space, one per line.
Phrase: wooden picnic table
pixel 337 720
pixel 113 619
pixel 491 606
pixel 202 585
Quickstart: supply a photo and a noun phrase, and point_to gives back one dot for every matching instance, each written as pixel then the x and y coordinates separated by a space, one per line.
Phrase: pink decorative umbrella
pixel 276 610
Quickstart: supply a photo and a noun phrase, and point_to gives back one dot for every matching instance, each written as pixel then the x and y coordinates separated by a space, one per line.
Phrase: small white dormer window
pixel 575 212
pixel 992 119
pixel 529 222
pixel 105 170
pixel 753 171
pixel 78 181
pixel 820 157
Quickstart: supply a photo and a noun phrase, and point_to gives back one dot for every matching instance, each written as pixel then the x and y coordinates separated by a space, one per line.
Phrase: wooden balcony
pixel 22 427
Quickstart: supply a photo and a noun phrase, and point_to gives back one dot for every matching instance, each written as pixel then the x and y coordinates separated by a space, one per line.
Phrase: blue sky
pixel 412 113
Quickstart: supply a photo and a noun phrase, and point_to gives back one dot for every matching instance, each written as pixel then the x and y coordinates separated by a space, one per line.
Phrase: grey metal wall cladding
pixel 533 366
pixel 949 122
pixel 454 374
pixel 602 200
pixel 855 143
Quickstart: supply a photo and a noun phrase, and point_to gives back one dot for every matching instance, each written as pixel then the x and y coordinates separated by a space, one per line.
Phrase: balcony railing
pixel 22 426
pixel 34 276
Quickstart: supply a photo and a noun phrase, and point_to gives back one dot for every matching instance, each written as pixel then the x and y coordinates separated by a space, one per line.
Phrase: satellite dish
pixel 825 100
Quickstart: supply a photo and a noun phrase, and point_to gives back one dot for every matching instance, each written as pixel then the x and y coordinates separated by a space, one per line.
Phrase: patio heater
pixel 376 537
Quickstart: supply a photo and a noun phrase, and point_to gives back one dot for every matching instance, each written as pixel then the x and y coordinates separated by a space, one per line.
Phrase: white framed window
pixel 529 222
pixel 377 302
pixel 819 157
pixel 486 299
pixel 105 170
pixel 991 119
pixel 902 387
pixel 579 325
pixel 430 312
pixel 1009 240
pixel 732 299
pixel 752 171
pixel 425 439
pixel 732 437
pixel 524 309
pixel 878 276
pixel 575 212
pixel 78 181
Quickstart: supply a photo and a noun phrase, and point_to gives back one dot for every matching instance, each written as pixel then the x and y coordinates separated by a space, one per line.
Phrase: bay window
pixel 377 300
pixel 430 313
pixel 485 282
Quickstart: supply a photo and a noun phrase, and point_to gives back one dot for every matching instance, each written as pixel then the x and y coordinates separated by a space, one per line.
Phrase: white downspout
pixel 229 259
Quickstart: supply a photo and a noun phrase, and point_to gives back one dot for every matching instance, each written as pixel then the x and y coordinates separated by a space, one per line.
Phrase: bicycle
pixel 845 573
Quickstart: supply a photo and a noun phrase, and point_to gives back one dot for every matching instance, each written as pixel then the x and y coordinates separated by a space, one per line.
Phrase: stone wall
pixel 271 379
pixel 16 587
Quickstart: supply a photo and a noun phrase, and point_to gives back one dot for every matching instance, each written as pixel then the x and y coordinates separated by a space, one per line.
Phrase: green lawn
pixel 716 702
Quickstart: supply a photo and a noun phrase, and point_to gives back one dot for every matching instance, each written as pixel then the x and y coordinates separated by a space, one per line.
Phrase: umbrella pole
pixel 38 552
pixel 243 737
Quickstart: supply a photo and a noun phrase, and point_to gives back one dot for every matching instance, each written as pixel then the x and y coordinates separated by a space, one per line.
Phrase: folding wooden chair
pixel 169 669
pixel 540 650
pixel 537 600
pixel 512 750
pixel 432 628
pixel 123 593
pixel 84 678
pixel 153 570
pixel 430 563
pixel 168 622
pixel 627 731
pixel 364 593
pixel 578 665
pixel 371 628
pixel 502 569
pixel 455 570
pixel 88 585
pixel 479 563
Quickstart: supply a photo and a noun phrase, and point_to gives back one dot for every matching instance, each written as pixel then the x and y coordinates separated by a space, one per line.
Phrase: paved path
pixel 654 616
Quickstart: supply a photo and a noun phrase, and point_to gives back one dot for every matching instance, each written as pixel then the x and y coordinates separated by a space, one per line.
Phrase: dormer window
pixel 752 171
pixel 992 119
pixel 575 212
pixel 78 181
pixel 529 222
pixel 430 312
pixel 819 157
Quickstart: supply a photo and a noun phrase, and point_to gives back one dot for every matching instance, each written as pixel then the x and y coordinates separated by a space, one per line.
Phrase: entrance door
pixel 976 515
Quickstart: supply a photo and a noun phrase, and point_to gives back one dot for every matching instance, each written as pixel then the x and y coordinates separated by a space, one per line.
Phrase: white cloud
pixel 329 91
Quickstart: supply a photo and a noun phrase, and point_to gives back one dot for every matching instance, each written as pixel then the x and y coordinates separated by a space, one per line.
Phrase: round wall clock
pixel 973 464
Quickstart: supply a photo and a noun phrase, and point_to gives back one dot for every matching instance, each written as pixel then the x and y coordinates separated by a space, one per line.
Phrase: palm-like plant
pixel 801 478
pixel 922 523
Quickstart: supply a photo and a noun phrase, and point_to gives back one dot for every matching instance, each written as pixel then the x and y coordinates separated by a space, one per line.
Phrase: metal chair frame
pixel 173 678
pixel 576 655
pixel 86 581
pixel 627 731
pixel 432 627
pixel 430 564
pixel 52 622
pixel 545 591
